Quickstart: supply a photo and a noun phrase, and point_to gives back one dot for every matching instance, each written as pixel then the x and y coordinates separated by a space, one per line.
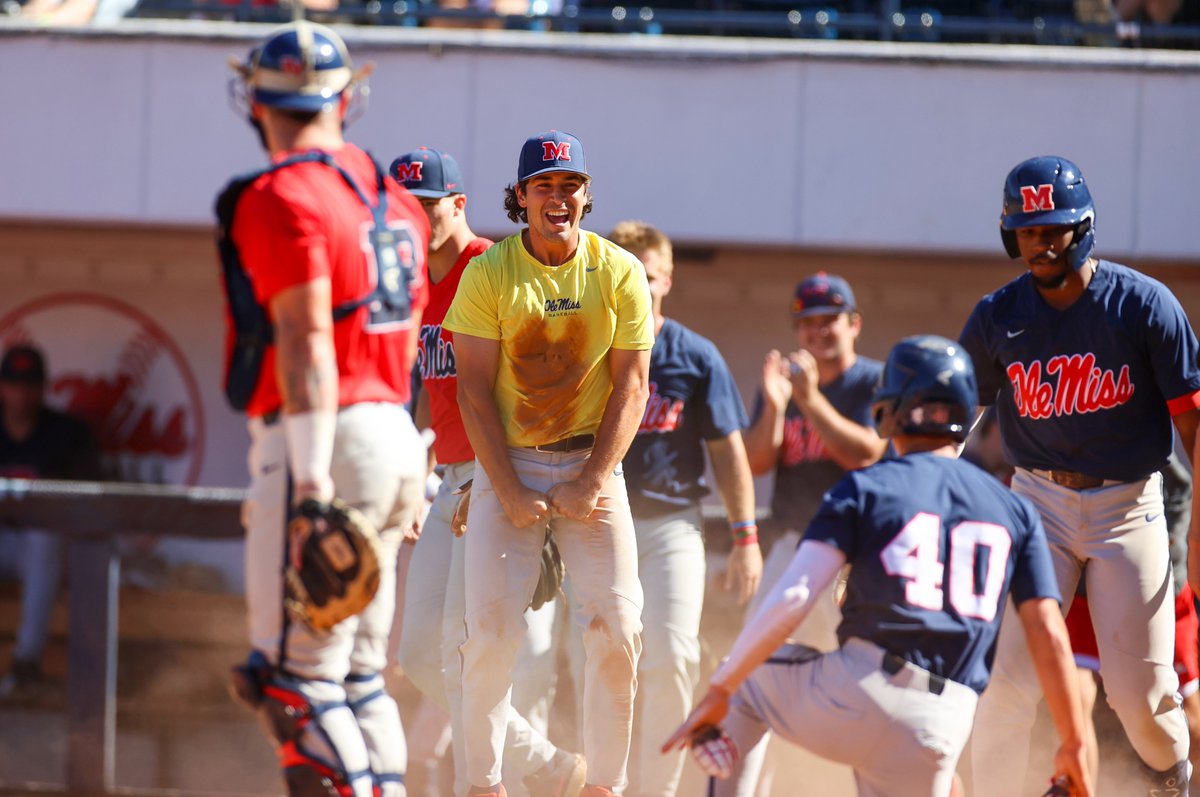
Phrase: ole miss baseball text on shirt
pixel 1091 388
pixel 437 367
pixel 693 398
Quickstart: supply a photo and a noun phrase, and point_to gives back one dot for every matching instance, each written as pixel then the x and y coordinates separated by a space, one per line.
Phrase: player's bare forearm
pixel 1050 648
pixel 850 444
pixel 477 360
pixel 630 371
pixel 731 469
pixel 736 485
pixel 305 361
pixel 790 601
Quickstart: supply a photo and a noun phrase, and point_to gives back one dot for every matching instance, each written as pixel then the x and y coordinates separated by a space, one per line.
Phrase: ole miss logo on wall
pixel 111 365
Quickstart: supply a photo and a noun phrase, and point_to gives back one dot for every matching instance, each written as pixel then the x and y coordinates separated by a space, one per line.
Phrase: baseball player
pixel 935 546
pixel 552 336
pixel 812 423
pixel 334 252
pixel 694 406
pixel 435 588
pixel 1087 362
pixel 36 442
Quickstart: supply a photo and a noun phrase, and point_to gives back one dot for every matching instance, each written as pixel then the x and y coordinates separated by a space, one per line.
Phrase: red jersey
pixel 304 222
pixel 436 364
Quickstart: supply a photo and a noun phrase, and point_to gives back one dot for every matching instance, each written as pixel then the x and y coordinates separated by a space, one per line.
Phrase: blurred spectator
pixel 36 442
pixel 77 12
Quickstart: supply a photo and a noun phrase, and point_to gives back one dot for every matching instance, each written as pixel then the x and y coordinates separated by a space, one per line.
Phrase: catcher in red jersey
pixel 325 275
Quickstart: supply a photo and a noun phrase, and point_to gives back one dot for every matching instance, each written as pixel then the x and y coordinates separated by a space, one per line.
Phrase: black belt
pixel 271 418
pixel 577 443
pixel 893 664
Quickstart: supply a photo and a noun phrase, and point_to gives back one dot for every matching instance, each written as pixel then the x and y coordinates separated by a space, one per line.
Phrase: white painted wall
pixel 815 144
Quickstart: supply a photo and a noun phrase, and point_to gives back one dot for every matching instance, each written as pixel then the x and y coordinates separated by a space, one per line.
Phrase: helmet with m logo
pixel 1049 191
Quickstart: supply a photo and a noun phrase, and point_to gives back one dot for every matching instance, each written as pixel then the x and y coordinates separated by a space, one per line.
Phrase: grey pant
pixel 900 739
pixel 1119 532
pixel 35 557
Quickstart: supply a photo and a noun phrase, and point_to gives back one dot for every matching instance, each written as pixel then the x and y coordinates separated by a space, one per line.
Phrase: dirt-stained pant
pixel 433 630
pixel 379 467
pixel 901 739
pixel 1118 531
pixel 502 566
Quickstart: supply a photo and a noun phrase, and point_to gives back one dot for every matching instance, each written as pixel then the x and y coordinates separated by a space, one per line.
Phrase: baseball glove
pixel 339 563
pixel 715 752
pixel 551 577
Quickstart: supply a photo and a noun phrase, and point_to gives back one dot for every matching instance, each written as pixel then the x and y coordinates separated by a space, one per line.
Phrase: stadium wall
pixel 764 160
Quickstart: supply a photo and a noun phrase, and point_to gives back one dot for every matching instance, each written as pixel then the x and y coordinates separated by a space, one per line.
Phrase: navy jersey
pixel 692 398
pixel 1090 388
pixel 805 470
pixel 61 447
pixel 935 545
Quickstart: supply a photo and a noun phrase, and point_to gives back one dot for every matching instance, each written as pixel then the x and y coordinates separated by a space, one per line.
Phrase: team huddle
pixel 571 422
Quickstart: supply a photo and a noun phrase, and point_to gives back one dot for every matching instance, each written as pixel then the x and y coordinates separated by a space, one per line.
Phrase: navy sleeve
pixel 1171 345
pixel 1033 574
pixel 726 413
pixel 836 521
pixel 974 339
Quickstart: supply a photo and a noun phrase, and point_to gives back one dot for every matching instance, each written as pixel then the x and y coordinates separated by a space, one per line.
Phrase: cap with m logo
pixel 428 173
pixel 552 151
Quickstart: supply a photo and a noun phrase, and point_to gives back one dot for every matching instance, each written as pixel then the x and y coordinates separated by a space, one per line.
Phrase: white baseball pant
pixel 501 569
pixel 1119 532
pixel 434 605
pixel 379 467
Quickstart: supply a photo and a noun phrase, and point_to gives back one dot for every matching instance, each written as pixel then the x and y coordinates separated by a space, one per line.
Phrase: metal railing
pixel 91 515
pixel 1045 22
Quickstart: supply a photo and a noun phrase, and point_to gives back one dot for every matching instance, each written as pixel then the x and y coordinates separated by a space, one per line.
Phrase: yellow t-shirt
pixel 555 325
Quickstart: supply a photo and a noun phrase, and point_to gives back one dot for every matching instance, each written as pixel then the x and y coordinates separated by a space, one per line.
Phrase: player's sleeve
pixel 281 239
pixel 724 411
pixel 836 521
pixel 974 338
pixel 1033 569
pixel 635 322
pixel 1174 352
pixel 475 309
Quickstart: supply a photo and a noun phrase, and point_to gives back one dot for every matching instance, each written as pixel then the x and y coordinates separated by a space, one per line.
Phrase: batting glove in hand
pixel 715 752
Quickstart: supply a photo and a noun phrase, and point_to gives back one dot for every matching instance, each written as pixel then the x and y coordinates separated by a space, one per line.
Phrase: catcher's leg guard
pixel 379 720
pixel 320 747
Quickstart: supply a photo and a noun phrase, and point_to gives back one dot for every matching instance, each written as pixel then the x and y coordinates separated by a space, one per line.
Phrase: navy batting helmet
pixel 928 382
pixel 301 66
pixel 1048 191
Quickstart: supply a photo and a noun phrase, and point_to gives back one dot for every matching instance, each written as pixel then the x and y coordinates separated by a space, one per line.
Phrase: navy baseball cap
pixel 552 151
pixel 822 293
pixel 428 173
pixel 23 364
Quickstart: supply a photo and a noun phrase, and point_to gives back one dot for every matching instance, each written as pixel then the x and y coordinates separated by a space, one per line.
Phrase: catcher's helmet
pixel 301 66
pixel 1048 191
pixel 928 382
